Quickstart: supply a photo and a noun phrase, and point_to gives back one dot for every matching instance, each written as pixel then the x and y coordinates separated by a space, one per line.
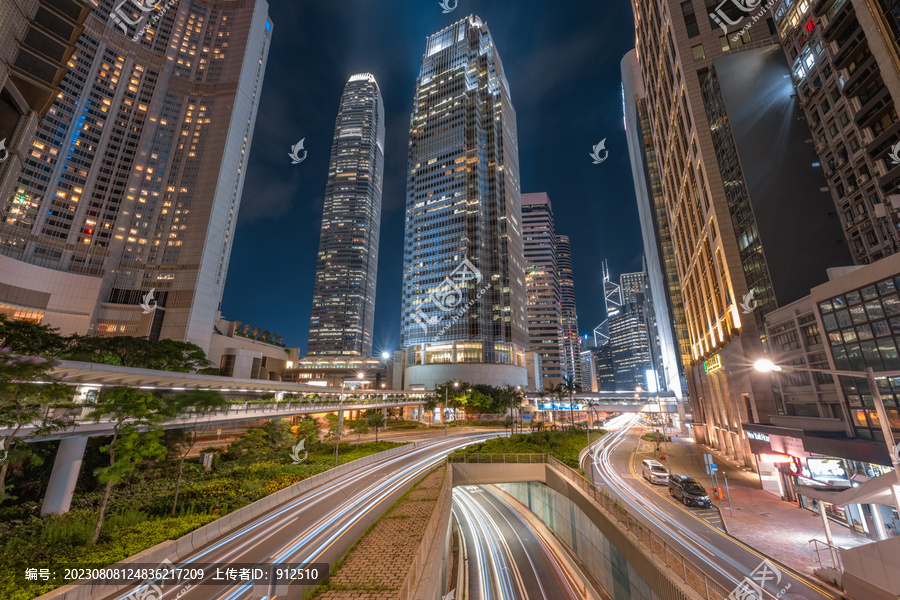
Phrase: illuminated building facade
pixel 734 196
pixel 542 286
pixel 670 343
pixel 464 314
pixel 571 339
pixel 130 191
pixel 629 343
pixel 343 308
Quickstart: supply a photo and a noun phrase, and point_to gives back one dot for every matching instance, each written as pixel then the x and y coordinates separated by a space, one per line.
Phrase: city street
pixel 316 527
pixel 504 556
pixel 724 558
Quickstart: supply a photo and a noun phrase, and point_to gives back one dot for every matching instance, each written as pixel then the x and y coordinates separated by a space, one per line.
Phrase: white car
pixel 654 472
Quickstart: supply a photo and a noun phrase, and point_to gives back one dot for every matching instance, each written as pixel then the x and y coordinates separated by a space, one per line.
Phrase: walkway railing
pixel 497 458
pixel 821 549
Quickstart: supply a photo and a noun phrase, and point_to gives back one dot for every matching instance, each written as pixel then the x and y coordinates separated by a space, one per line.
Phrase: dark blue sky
pixel 562 62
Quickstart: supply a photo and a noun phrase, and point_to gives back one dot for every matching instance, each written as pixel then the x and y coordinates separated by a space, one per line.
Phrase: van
pixel 689 491
pixel 654 472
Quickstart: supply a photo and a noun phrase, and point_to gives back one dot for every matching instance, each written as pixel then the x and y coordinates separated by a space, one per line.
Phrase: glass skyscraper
pixel 464 281
pixel 133 181
pixel 343 309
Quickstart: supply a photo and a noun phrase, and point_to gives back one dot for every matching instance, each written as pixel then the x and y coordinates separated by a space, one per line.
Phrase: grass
pixel 138 516
pixel 563 445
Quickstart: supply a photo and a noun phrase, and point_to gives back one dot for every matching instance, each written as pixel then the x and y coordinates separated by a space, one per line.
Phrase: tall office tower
pixel 343 308
pixel 606 373
pixel 130 192
pixel 545 331
pixel 37 39
pixel 464 311
pixel 629 344
pixel 588 370
pixel 843 56
pixel 734 194
pixel 571 341
pixel 670 343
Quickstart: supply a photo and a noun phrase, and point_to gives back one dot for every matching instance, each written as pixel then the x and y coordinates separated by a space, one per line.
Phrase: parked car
pixel 689 491
pixel 654 471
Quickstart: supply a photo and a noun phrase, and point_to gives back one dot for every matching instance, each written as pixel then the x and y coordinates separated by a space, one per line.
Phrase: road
pixel 316 527
pixel 725 559
pixel 506 558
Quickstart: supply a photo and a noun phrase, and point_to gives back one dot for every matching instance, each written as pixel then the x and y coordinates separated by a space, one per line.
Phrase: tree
pixel 250 448
pixel 279 436
pixel 136 436
pixel 359 427
pixel 28 389
pixel 558 392
pixel 26 338
pixel 307 429
pixel 570 388
pixel 197 403
pixel 375 419
pixel 127 351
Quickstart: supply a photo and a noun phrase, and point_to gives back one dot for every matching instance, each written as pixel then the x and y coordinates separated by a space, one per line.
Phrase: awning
pixel 874 491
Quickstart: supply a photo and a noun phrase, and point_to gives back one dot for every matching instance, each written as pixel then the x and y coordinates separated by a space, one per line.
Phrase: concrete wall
pixel 67 300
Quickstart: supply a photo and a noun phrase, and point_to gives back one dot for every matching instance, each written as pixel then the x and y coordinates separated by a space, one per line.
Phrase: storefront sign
pixel 713 364
pixel 754 435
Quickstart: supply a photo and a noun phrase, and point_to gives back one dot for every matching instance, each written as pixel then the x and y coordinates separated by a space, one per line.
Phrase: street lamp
pixel 767 366
pixel 444 412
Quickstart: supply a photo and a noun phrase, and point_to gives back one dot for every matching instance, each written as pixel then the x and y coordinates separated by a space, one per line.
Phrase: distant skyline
pixel 562 66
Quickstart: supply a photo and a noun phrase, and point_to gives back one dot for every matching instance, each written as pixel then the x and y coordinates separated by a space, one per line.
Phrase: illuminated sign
pixel 762 437
pixel 713 364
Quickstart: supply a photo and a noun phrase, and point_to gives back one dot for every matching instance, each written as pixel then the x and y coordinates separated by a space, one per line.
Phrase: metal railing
pixel 817 548
pixel 497 458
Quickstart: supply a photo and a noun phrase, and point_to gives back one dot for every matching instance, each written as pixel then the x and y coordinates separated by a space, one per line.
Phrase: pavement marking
pixel 799 577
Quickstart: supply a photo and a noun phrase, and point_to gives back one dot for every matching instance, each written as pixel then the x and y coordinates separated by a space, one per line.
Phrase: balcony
pixel 874 108
pixel 849 49
pixel 841 21
pixel 860 79
pixel 808 424
pixel 881 146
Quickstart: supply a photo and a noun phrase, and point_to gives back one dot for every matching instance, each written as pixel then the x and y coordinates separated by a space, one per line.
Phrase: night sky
pixel 562 62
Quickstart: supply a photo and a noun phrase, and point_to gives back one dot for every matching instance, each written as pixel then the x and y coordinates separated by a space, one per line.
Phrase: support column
pixel 384 413
pixel 879 522
pixel 420 412
pixel 64 475
pixel 828 537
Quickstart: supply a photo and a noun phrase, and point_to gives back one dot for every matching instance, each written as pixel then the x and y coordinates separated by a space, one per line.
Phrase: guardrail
pixel 510 457
pixel 417 569
pixel 818 547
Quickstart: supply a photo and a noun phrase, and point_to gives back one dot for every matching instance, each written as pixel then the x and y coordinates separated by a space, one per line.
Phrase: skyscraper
pixel 545 325
pixel 130 192
pixel 670 344
pixel 629 344
pixel 464 311
pixel 734 196
pixel 571 344
pixel 343 308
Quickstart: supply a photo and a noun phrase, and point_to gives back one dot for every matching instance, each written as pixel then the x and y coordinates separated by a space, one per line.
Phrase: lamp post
pixel 767 366
pixel 340 422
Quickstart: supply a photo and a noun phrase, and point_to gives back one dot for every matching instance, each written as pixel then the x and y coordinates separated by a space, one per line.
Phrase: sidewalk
pixel 779 529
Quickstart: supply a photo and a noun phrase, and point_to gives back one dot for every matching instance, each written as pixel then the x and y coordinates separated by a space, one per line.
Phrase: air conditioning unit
pixel 862 178
pixel 880 210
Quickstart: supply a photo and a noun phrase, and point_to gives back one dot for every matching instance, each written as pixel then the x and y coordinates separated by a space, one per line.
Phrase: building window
pixel 690 19
pixel 698 53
